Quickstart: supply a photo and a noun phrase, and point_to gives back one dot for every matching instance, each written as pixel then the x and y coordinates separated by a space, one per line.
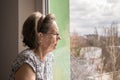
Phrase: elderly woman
pixel 41 35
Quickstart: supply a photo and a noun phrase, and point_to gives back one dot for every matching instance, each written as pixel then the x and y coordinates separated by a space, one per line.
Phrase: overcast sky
pixel 87 14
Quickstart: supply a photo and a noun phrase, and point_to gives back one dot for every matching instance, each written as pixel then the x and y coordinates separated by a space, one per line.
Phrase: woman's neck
pixel 40 53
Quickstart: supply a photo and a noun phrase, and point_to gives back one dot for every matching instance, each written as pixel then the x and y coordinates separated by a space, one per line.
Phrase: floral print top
pixel 43 70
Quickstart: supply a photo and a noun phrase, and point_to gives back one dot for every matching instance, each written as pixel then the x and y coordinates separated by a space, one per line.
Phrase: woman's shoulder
pixel 23 57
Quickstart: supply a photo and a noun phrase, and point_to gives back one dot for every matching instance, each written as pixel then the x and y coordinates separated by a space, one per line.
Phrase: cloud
pixel 86 14
pixel 112 1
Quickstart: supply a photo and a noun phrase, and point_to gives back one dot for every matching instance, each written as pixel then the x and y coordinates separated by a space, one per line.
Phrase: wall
pixel 8 35
pixel 25 8
pixel 62 54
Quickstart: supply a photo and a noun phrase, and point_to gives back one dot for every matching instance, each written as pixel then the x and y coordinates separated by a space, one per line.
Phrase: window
pixel 95 39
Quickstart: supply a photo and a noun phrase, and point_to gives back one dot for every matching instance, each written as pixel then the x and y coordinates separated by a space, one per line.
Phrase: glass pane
pixel 95 39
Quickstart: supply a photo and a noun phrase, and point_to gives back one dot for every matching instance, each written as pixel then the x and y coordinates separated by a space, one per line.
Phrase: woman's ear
pixel 40 36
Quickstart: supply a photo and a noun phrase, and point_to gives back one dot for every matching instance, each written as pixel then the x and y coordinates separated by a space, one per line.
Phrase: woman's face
pixel 50 39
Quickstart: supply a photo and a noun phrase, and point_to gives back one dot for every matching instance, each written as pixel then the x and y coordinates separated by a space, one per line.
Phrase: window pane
pixel 95 39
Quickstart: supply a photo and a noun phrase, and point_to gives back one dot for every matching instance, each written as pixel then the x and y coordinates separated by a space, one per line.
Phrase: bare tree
pixel 111 42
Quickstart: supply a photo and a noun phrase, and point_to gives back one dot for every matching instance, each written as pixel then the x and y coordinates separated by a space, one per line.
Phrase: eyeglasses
pixel 56 34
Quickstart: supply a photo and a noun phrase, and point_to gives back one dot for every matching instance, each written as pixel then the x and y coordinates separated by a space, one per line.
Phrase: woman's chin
pixel 55 46
pixel 52 48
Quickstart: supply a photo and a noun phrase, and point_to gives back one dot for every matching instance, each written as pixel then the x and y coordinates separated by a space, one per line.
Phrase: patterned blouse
pixel 43 70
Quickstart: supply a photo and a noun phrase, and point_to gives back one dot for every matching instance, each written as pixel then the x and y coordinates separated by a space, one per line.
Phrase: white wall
pixel 26 7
